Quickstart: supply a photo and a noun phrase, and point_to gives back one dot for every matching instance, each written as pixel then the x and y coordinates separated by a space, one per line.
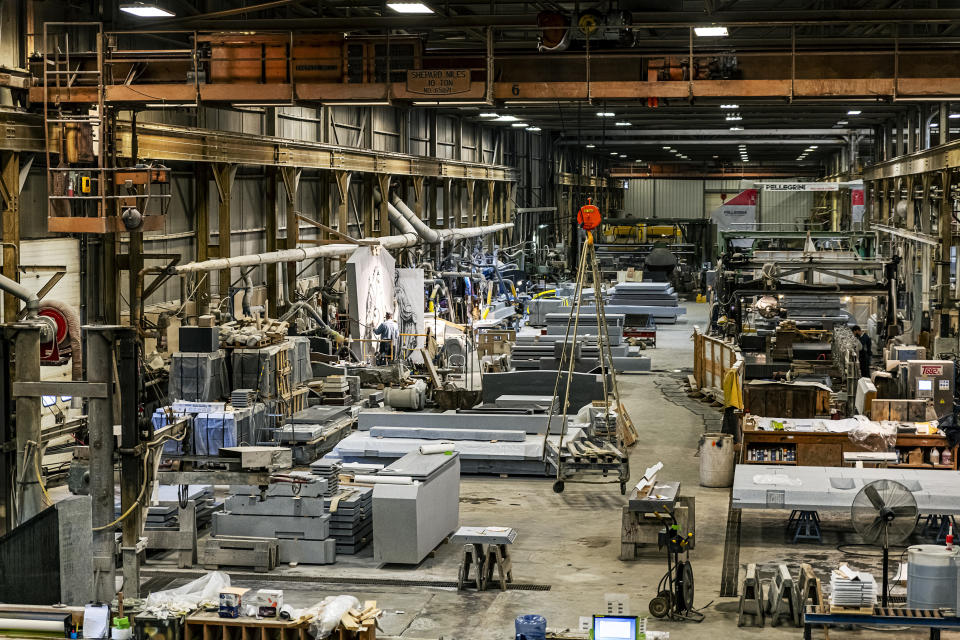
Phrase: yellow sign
pixel 438 82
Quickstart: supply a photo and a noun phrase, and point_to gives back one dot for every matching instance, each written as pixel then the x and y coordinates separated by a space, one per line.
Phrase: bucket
pixel 531 627
pixel 716 460
pixel 931 577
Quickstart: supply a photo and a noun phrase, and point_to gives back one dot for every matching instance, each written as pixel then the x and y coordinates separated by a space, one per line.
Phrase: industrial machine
pixel 929 380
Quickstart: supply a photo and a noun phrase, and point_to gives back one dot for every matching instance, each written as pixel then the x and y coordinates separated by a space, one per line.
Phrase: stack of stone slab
pixel 293 514
pixel 329 472
pixel 351 518
pixel 539 308
pixel 550 351
pixel 489 439
pixel 165 514
pixel 656 299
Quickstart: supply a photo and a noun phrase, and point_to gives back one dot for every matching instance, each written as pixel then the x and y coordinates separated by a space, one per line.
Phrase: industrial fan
pixel 884 512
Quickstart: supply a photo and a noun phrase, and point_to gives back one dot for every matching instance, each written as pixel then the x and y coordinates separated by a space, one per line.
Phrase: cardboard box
pixel 270 602
pixel 231 601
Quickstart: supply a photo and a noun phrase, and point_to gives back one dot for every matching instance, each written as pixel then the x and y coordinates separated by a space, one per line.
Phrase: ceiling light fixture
pixel 605 114
pixel 623 155
pixel 146 10
pixel 729 106
pixel 490 114
pixel 532 128
pixel 841 122
pixel 591 146
pixel 734 116
pixel 506 119
pixel 613 153
pixel 520 124
pixel 736 128
pixel 854 112
pixel 409 7
pixel 667 148
pixel 813 146
pixel 624 124
pixel 954 116
pixel 706 32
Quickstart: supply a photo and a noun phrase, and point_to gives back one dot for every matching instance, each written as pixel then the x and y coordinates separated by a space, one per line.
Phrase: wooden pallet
pixel 851 611
pixel 238 551
pixel 210 626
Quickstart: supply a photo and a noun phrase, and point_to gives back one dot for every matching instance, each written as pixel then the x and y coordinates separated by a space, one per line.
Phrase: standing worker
pixel 866 351
pixel 388 332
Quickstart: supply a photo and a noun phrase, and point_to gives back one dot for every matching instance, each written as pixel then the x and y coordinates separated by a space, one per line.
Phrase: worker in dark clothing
pixel 866 351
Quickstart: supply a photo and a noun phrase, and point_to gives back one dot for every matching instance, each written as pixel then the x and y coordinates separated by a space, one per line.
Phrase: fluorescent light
pixel 854 112
pixel 734 116
pixel 613 153
pixel 409 7
pixel 490 115
pixel 716 156
pixel 145 10
pixel 954 116
pixel 813 146
pixel 841 122
pixel 667 148
pixel 736 128
pixel 623 155
pixel 623 124
pixel 729 106
pixel 591 146
pixel 710 31
pixel 638 160
pixel 520 124
pixel 506 119
pixel 532 128
pixel 605 114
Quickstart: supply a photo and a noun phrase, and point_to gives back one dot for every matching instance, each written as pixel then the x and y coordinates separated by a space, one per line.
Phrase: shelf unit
pixel 825 449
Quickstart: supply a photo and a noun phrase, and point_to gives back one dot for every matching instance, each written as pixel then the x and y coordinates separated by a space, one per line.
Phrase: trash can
pixel 717 452
pixel 531 627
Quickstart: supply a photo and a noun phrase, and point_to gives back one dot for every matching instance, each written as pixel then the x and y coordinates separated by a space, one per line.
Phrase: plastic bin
pixel 531 627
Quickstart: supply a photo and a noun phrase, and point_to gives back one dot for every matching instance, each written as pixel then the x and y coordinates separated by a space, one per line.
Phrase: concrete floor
pixel 571 541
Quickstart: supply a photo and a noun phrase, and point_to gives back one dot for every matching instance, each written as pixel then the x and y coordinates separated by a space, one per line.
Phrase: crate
pixel 237 551
pixel 210 626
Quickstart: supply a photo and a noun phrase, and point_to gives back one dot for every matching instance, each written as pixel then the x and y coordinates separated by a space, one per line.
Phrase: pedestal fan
pixel 884 512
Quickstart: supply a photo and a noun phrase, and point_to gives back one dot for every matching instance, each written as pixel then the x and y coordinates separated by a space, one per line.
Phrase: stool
pixel 805 525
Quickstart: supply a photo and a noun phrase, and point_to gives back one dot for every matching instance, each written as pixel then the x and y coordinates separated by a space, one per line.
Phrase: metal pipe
pixel 328 251
pixel 313 313
pixel 17 290
pixel 100 421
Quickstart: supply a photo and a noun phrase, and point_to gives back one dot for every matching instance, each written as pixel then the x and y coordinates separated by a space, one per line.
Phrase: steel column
pixel 224 175
pixel 272 213
pixel 10 196
pixel 27 354
pixel 132 476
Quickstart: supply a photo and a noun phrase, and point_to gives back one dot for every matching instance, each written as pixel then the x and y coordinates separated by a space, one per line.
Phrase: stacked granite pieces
pixel 656 299
pixel 336 391
pixel 294 514
pixel 310 423
pixel 165 514
pixel 350 509
pixel 551 351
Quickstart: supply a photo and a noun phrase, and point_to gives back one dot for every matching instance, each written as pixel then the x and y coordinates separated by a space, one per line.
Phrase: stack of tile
pixel 165 514
pixel 242 398
pixel 336 390
pixel 351 518
pixel 849 588
pixel 293 514
pixel 328 471
pixel 657 299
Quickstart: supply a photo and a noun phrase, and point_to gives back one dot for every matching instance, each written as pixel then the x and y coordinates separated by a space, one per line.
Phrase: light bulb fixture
pixel 954 116
pixel 409 7
pixel 666 148
pixel 489 114
pixel 734 117
pixel 706 32
pixel 736 128
pixel 842 122
pixel 605 114
pixel 591 146
pixel 813 146
pixel 506 119
pixel 623 124
pixel 146 10
pixel 854 112
pixel 520 125
pixel 623 155
pixel 729 106
pixel 532 128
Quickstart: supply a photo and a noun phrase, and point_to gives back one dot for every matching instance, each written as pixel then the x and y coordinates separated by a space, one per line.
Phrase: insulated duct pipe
pixel 301 254
pixel 17 290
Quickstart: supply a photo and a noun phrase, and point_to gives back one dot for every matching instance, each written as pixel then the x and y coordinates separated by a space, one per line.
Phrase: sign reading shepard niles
pixel 438 82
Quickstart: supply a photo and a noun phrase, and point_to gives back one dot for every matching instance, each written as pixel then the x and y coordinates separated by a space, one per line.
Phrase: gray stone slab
pixel 308 551
pixel 527 423
pixel 319 414
pixel 409 521
pixel 584 387
pixel 420 466
pixel 448 434
pixel 233 524
pixel 315 489
pixel 274 506
pixel 510 401
pixel 664 494
pixel 484 535
pixel 76 557
pixel 632 364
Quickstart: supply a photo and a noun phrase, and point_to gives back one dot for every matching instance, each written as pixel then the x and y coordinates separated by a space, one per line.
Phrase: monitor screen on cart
pixel 614 628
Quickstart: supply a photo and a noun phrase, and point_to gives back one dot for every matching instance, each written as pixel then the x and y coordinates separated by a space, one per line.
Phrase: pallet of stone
pixel 328 471
pixel 242 398
pixel 240 551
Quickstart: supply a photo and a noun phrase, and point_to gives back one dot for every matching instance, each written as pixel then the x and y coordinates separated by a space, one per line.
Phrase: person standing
pixel 388 332
pixel 866 351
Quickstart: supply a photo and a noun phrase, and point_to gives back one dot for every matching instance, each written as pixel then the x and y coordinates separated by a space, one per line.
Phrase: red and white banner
pixel 857 204
pixel 739 213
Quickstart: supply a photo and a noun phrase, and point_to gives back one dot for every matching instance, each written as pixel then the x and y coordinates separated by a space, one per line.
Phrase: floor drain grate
pixel 386 582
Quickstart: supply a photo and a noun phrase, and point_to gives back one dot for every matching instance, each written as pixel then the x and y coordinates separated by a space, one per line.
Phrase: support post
pixel 27 354
pixel 224 175
pixel 946 242
pixel 447 202
pixel 131 464
pixel 383 182
pixel 273 211
pixel 10 196
pixel 202 222
pixel 100 419
pixel 291 186
pixel 471 216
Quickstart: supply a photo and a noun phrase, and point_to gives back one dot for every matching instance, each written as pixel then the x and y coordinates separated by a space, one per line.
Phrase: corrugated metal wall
pixel 666 198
